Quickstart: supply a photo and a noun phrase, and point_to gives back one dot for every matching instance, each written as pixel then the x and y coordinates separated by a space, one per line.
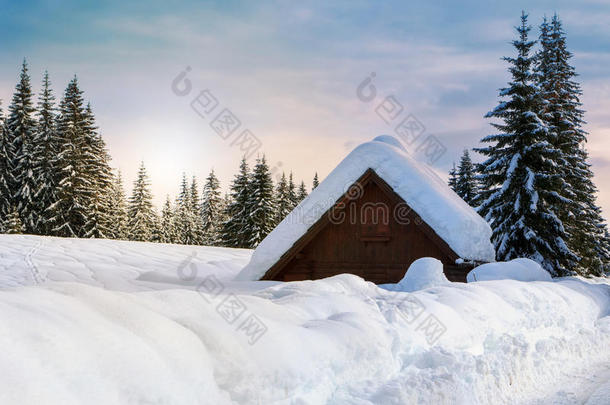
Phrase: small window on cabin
pixel 375 222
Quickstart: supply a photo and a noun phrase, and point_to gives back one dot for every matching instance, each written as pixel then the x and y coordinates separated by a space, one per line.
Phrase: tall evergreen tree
pixel 466 185
pixel 168 232
pixel 117 204
pixel 284 204
pixel 68 214
pixel 301 192
pixel 195 204
pixel 6 198
pixel 21 129
pixel 452 182
pixel 315 182
pixel 45 149
pixel 235 230
pixel 522 187
pixel 142 216
pixel 261 203
pixel 99 177
pixel 563 115
pixel 211 211
pixel 292 192
pixel 186 219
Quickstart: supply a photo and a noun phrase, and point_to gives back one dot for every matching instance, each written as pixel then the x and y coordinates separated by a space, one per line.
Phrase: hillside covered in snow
pixel 99 321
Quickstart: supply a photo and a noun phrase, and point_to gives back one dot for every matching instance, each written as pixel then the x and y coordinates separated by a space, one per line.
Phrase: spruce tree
pixel 186 218
pixel 195 205
pixel 211 211
pixel 12 223
pixel 466 185
pixel 68 214
pixel 142 216
pixel 21 129
pixel 522 188
pixel 117 204
pixel 235 229
pixel 99 176
pixel 315 182
pixel 302 192
pixel 563 115
pixel 284 204
pixel 452 182
pixel 261 203
pixel 292 192
pixel 44 152
pixel 6 154
pixel 168 232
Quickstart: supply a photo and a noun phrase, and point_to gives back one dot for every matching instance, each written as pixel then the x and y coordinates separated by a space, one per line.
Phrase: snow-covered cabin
pixel 374 215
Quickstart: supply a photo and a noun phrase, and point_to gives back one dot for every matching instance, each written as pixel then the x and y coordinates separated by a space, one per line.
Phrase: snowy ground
pixel 84 321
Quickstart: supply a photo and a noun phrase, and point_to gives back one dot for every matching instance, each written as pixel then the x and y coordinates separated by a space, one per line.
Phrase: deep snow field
pixel 112 322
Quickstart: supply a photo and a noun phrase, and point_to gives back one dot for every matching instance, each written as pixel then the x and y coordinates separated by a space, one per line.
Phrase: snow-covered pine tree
pixel 46 147
pixel 282 198
pixel 467 186
pixel 99 174
pixel 235 230
pixel 521 186
pixel 142 216
pixel 315 182
pixel 563 115
pixel 21 129
pixel 67 216
pixel 452 182
pixel 301 192
pixel 6 198
pixel 168 232
pixel 186 220
pixel 195 204
pixel 211 211
pixel 261 203
pixel 117 204
pixel 292 192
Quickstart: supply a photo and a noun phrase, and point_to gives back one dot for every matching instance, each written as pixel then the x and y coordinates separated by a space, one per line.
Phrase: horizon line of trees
pixel 535 187
pixel 56 180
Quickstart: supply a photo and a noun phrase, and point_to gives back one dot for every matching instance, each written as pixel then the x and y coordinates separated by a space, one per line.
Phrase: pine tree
pixel 68 214
pixel 292 192
pixel 6 179
pixel 521 185
pixel 284 205
pixel 261 203
pixel 235 230
pixel 195 205
pixel 21 128
pixel 99 176
pixel 302 192
pixel 211 211
pixel 46 147
pixel 142 216
pixel 466 185
pixel 168 233
pixel 563 115
pixel 315 182
pixel 186 217
pixel 117 204
pixel 453 178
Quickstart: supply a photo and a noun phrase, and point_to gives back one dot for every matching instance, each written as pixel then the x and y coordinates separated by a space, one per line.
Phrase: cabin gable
pixel 371 232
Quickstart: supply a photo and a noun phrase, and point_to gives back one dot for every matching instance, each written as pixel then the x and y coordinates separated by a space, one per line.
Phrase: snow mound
pixel 428 195
pixel 423 273
pixel 521 269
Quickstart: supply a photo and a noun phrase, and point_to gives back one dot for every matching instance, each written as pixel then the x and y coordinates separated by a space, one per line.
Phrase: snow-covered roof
pixel 427 194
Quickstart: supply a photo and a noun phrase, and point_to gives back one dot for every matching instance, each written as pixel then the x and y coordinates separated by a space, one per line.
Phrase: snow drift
pixel 340 340
pixel 517 269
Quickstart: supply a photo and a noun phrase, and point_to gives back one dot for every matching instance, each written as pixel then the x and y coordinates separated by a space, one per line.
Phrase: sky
pixel 289 73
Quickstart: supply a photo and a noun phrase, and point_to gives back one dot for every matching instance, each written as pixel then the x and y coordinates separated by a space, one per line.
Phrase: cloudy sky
pixel 289 74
